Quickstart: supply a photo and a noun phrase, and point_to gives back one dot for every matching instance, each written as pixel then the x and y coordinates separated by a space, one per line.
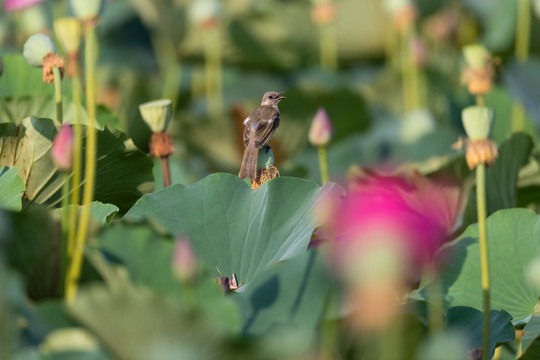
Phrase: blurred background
pixel 388 73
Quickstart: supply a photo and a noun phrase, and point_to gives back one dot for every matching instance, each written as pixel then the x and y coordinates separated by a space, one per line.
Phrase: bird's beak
pixel 281 97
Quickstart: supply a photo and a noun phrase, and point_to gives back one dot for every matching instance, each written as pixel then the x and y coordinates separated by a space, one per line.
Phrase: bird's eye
pixel 271 96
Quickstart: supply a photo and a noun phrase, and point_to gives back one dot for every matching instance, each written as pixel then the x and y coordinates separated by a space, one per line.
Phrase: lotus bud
pixel 157 114
pixel 320 131
pixel 476 56
pixel 62 148
pixel 36 48
pixel 183 262
pixel 15 5
pixel 206 12
pixel 477 121
pixel 68 31
pixel 87 9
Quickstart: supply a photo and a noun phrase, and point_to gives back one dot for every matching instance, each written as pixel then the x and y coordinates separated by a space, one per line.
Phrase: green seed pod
pixel 476 56
pixel 68 31
pixel 157 114
pixel 87 9
pixel 477 121
pixel 36 47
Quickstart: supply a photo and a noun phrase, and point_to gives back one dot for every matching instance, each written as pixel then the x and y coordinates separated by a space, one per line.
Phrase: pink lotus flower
pixel 183 261
pixel 62 148
pixel 386 229
pixel 15 5
pixel 411 215
pixel 320 131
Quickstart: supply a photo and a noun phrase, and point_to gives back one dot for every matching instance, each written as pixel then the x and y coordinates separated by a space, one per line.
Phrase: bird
pixel 259 127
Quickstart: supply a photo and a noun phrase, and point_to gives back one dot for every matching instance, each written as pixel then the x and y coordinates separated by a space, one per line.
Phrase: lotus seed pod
pixel 477 121
pixel 476 56
pixel 320 131
pixel 36 48
pixel 68 31
pixel 157 114
pixel 87 9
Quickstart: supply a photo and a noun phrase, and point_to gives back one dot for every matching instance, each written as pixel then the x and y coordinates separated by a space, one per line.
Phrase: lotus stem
pixel 214 73
pixel 484 262
pixel 66 211
pixel 166 171
pixel 58 94
pixel 323 164
pixel 90 166
pixel 523 27
pixel 77 153
pixel 328 47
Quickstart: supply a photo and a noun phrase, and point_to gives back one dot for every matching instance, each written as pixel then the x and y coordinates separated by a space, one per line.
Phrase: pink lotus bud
pixel 14 5
pixel 183 260
pixel 62 148
pixel 320 131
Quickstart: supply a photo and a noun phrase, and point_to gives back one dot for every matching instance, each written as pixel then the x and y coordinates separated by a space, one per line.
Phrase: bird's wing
pixel 266 126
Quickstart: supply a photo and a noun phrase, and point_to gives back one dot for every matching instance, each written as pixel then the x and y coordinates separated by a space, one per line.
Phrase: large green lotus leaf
pixel 11 189
pixel 148 258
pixel 27 146
pixel 134 323
pixel 502 178
pixel 499 28
pixel 43 106
pixel 471 321
pixel 531 335
pixel 289 301
pixel 233 227
pixel 521 79
pixel 21 79
pixel 512 242
pixel 33 249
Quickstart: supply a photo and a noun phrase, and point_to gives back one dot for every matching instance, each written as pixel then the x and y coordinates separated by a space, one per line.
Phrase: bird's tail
pixel 249 162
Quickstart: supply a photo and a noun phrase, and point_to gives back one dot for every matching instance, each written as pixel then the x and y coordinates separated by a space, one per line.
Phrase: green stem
pixel 66 211
pixel 323 163
pixel 58 94
pixel 484 262
pixel 523 27
pixel 214 72
pixel 77 153
pixel 90 166
pixel 328 47
pixel 435 304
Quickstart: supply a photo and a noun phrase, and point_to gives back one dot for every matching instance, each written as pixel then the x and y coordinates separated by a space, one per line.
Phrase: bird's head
pixel 272 98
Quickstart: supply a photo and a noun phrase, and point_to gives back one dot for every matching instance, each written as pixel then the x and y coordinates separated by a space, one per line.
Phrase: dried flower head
pixel 479 73
pixel 483 151
pixel 320 131
pixel 161 144
pixel 264 175
pixel 62 148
